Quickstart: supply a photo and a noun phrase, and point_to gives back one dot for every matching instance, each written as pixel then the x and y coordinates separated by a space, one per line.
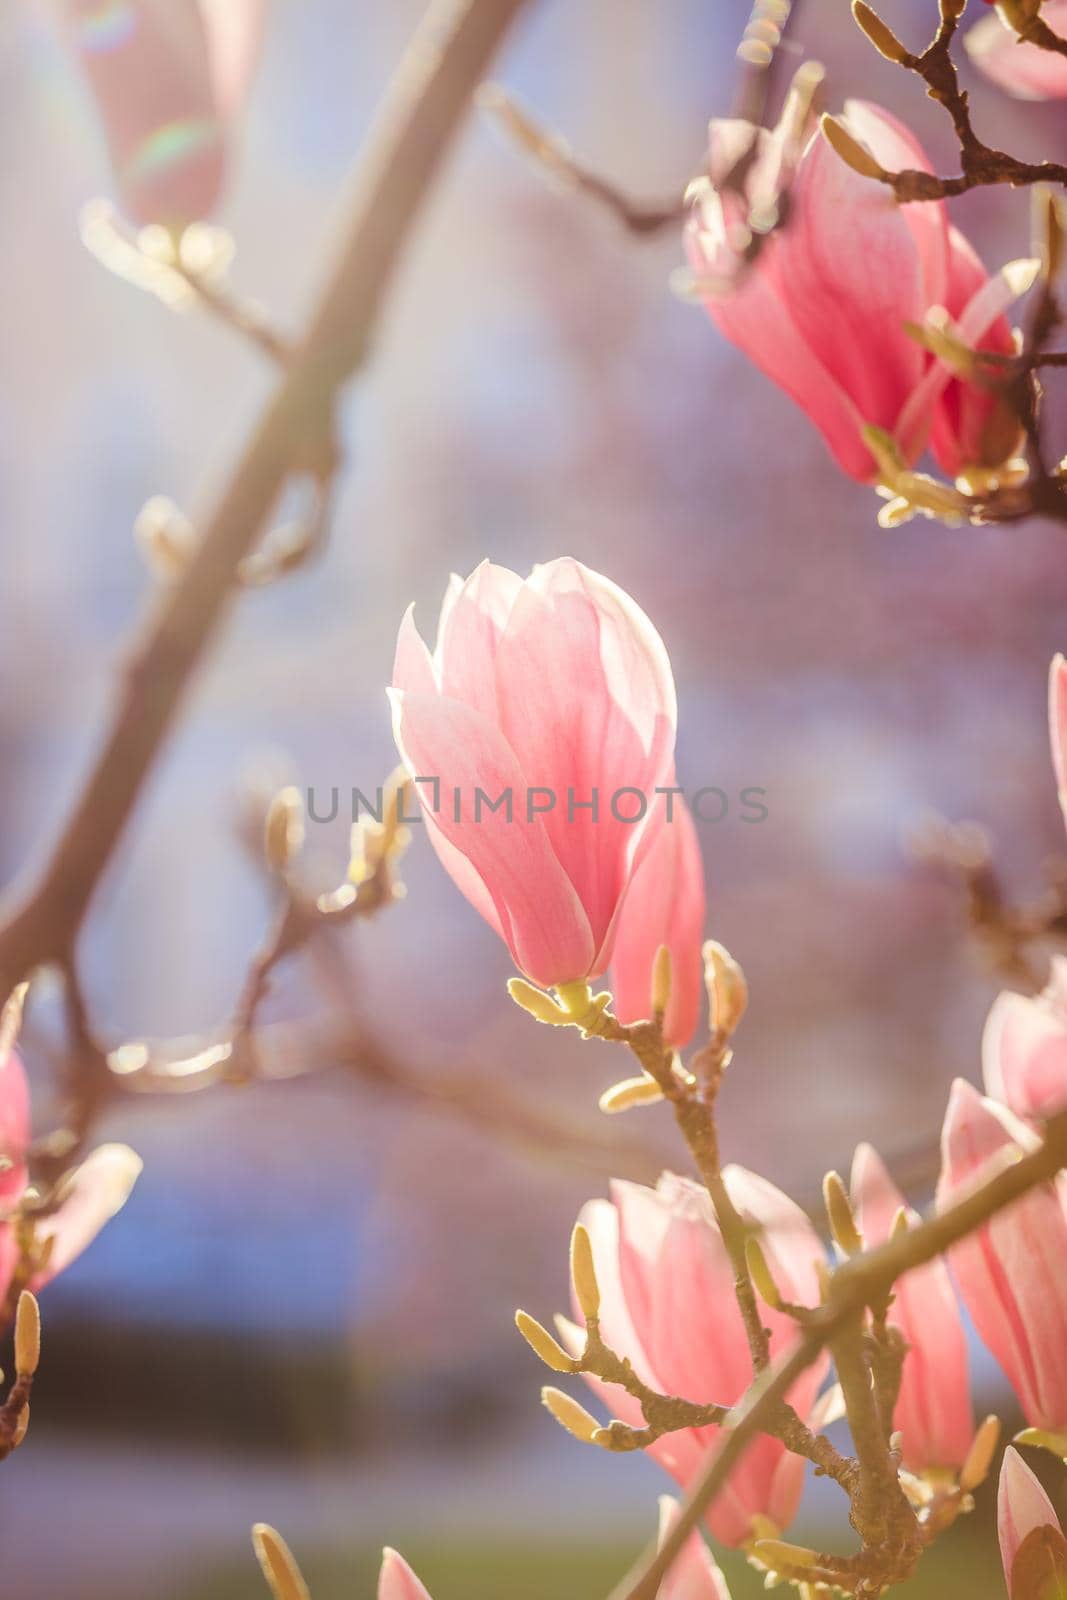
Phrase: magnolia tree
pixel 718 1327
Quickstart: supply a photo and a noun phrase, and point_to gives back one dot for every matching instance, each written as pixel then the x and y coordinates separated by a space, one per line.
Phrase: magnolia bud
pixel 980 1455
pixel 542 1344
pixel 279 1568
pixel 283 830
pixel 761 1275
pixel 879 33
pixel 726 986
pixel 839 1210
pixel 643 1091
pixel 27 1335
pixel 570 1415
pixel 852 153
pixel 583 1273
pixel 661 982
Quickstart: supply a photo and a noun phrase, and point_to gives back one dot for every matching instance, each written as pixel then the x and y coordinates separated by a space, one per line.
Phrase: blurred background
pixel 304 1314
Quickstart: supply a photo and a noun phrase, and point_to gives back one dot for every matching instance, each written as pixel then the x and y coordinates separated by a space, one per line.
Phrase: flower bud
pixel 852 152
pixel 27 1335
pixel 570 1415
pixel 583 1274
pixel 842 1219
pixel 727 988
pixel 879 33
pixel 542 1344
pixel 283 830
pixel 279 1567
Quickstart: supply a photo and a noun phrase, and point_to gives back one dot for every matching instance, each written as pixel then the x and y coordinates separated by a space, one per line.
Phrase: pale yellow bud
pixel 643 1091
pixel 27 1335
pixel 852 153
pixel 839 1211
pixel 761 1275
pixel 283 1576
pixel 727 988
pixel 542 1344
pixel 536 1002
pixel 583 1273
pixel 570 1415
pixel 661 982
pixel 283 831
pixel 11 1020
pixel 778 1554
pixel 879 33
pixel 21 1427
pixel 980 1455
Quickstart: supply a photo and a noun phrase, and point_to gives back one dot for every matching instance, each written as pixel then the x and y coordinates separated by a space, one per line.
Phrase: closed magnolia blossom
pixel 1026 1516
pixel 933 1412
pixel 665 905
pixel 1010 1270
pixel 824 307
pixel 168 77
pixel 1023 69
pixel 1024 1047
pixel 396 1581
pixel 537 734
pixel 86 1199
pixel 667 1304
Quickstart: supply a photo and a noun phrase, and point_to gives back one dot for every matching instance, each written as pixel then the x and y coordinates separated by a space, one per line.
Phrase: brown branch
pixel 859 1282
pixel 421 114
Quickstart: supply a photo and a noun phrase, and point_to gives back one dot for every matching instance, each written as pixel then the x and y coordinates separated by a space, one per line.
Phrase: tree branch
pixel 421 114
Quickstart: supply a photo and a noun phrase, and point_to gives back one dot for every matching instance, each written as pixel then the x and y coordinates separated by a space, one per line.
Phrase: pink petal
pixel 665 905
pixel 397 1581
pixel 413 668
pixel 1009 1272
pixel 1057 722
pixel 537 911
pixel 92 1195
pixel 1024 70
pixel 235 32
pixel 1024 1048
pixel 693 1574
pixel 933 1411
pixel 977 304
pixel 586 702
pixel 148 64
pixel 755 318
pixel 14 1128
pixel 896 148
pixel 851 275
pixel 1022 1506
pixel 471 628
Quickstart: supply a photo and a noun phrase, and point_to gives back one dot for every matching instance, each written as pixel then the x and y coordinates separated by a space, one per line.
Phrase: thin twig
pixel 421 114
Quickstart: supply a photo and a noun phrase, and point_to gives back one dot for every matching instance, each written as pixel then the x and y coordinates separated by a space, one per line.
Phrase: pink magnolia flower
pixel 665 905
pixel 693 1575
pixel 1023 1508
pixel 551 699
pixel 667 1303
pixel 1010 1271
pixel 823 306
pixel 933 1411
pixel 396 1581
pixel 87 1199
pixel 1022 69
pixel 1024 1047
pixel 168 77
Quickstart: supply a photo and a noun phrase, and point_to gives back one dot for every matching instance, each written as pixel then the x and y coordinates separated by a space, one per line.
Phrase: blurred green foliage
pixel 963 1564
